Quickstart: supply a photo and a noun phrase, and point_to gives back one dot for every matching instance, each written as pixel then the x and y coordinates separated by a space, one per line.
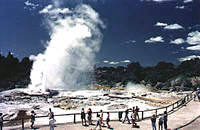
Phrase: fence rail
pixel 143 114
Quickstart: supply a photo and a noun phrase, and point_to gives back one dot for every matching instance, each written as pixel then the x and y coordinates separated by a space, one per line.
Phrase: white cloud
pixel 160 24
pixel 193 38
pixel 178 41
pixel 188 58
pixel 180 7
pixel 54 11
pixel 187 1
pixel 154 39
pixel 46 9
pixel 173 26
pixel 126 61
pixel 105 61
pixel 31 5
pixel 194 48
pixel 113 63
pixel 169 27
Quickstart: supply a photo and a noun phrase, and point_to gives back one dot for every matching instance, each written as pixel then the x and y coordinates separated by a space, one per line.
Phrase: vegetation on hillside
pixel 164 75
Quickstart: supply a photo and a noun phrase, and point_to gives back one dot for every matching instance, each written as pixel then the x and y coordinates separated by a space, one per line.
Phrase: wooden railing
pixel 143 114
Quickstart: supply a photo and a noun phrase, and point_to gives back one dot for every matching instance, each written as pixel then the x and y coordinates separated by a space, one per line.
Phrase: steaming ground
pixel 13 101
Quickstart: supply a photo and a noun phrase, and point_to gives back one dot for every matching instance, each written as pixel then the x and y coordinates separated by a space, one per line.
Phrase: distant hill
pixel 164 75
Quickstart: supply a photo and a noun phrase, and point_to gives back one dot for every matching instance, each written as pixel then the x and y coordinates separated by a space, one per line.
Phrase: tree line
pixel 15 73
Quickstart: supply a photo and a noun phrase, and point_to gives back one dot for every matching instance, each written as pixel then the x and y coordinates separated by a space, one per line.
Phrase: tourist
pixel 32 119
pixel 120 115
pixel 1 121
pixel 51 124
pixel 160 123
pixel 126 116
pixel 137 112
pixel 133 109
pixel 165 119
pixel 133 118
pixel 98 122
pixel 101 118
pixel 83 116
pixel 89 112
pixel 108 120
pixel 153 121
pixel 51 114
pixel 51 120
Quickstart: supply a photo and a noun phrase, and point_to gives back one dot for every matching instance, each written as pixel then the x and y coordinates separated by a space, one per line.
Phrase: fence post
pixel 166 109
pixel 142 115
pixel 74 118
pixel 22 123
pixel 173 107
pixel 156 112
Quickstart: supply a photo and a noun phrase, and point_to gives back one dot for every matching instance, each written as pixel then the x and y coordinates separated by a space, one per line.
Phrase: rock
pixel 144 95
pixel 52 92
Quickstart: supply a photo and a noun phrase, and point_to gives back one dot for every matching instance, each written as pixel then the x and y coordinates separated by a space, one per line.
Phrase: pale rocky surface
pixel 176 119
pixel 13 101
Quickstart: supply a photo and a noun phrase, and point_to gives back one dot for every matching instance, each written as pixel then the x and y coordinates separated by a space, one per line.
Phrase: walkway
pixel 177 119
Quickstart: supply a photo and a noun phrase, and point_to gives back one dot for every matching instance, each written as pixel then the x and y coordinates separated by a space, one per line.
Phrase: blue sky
pixel 147 31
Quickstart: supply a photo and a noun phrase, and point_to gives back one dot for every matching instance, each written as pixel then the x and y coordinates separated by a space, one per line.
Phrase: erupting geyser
pixel 69 57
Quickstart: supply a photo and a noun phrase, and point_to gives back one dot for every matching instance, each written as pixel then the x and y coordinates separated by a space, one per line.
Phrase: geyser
pixel 69 57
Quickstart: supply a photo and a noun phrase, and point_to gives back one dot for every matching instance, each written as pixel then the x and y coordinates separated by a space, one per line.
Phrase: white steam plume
pixel 136 88
pixel 69 58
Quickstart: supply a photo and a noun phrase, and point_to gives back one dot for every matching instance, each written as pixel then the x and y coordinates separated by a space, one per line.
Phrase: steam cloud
pixel 69 58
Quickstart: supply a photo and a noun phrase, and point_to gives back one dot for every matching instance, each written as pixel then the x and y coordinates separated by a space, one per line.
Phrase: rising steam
pixel 69 58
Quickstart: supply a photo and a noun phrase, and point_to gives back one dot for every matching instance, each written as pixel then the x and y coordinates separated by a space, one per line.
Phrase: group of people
pixel 134 116
pixel 162 120
pixel 51 119
pixel 99 122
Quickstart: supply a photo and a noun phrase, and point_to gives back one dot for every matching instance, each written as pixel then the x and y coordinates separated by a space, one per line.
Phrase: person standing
pixel 133 118
pixel 126 116
pixel 160 123
pixel 108 119
pixel 120 115
pixel 89 112
pixel 51 114
pixel 165 119
pixel 33 114
pixel 137 112
pixel 101 111
pixel 51 124
pixel 153 121
pixel 51 120
pixel 83 116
